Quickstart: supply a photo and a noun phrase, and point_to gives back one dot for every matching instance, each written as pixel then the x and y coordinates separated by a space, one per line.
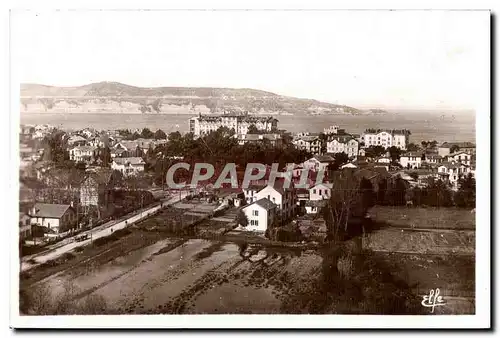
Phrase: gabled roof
pixel 129 160
pixel 459 153
pixel 265 203
pixel 76 138
pixel 84 148
pixel 328 185
pixel 324 158
pixel 316 203
pixel 50 210
pixel 412 154
pixel 452 165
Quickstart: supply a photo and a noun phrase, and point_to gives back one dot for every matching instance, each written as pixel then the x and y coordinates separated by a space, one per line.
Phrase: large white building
pixel 204 124
pixel 310 143
pixel 386 138
pixel 343 144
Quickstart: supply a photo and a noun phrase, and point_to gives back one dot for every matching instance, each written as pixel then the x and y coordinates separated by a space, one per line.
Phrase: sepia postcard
pixel 194 169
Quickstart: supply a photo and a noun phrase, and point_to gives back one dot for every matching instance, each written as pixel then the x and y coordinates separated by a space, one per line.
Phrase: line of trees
pixel 218 148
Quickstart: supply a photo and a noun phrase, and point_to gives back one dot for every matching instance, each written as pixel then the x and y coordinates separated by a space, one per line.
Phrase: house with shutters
pixel 56 218
pixel 260 214
pixel 128 165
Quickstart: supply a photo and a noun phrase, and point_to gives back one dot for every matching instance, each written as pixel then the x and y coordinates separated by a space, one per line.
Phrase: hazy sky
pixel 362 58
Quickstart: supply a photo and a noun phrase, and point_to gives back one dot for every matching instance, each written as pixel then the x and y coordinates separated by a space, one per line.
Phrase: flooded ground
pixel 181 275
pixel 197 276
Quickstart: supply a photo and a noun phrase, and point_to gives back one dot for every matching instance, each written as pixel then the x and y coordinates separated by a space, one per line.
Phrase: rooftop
pixel 265 203
pixel 50 210
pixel 128 160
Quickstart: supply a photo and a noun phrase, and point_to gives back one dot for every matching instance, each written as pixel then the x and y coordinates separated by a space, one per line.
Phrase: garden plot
pixel 421 242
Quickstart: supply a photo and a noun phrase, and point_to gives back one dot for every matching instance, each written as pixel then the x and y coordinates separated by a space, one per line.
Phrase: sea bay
pixel 423 125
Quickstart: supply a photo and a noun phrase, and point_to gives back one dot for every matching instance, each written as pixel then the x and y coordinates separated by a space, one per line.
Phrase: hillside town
pixel 76 165
pixel 85 186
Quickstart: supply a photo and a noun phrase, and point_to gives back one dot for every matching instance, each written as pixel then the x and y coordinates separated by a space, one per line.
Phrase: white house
pixel 76 140
pixel 348 166
pixel 310 143
pixel 341 144
pixel 318 162
pixel 461 157
pixel 284 198
pixel 83 153
pixel 320 191
pixel 57 218
pixel 260 214
pixel 411 160
pixel 433 159
pixel 452 172
pixel 128 165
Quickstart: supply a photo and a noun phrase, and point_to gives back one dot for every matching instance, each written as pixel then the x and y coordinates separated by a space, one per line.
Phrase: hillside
pixel 114 97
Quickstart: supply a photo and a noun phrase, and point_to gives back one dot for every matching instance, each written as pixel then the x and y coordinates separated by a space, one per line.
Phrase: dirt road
pixel 102 231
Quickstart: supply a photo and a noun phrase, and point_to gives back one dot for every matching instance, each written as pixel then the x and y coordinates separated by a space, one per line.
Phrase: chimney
pixel 71 204
pixel 33 211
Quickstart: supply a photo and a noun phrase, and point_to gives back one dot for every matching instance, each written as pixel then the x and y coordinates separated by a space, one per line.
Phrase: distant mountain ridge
pixel 118 97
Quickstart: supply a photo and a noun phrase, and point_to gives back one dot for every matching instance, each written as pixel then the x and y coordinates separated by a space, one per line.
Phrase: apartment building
pixel 310 143
pixel 240 123
pixel 343 144
pixel 386 138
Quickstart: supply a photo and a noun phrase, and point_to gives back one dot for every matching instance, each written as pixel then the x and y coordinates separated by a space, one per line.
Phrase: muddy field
pixel 188 276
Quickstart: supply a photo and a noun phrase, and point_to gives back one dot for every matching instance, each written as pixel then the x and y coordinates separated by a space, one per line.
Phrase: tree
pixel 160 135
pixel 438 194
pixel 412 147
pixel 394 153
pixel 349 199
pixel 454 148
pixel 252 129
pixel 465 197
pixel 340 159
pixel 242 219
pixel 396 192
pixel 414 175
pixel 374 151
pixel 146 133
pixel 105 156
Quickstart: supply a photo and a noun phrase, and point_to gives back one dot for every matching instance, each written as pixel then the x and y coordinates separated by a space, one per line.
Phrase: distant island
pixel 114 97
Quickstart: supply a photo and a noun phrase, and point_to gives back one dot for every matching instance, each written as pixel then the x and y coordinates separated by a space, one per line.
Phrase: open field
pixel 424 218
pixel 421 242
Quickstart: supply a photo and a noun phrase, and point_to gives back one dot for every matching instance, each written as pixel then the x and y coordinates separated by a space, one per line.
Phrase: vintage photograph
pixel 249 162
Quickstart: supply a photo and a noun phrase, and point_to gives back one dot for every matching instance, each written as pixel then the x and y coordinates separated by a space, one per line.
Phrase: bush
pixel 345 266
pixel 284 234
pixel 67 256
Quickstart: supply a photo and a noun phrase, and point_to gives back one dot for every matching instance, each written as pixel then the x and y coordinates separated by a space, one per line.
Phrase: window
pixel 320 192
pixel 256 213
pixel 314 191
